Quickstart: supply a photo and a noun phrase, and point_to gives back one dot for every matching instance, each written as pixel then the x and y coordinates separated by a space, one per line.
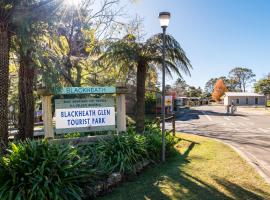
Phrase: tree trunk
pixel 4 84
pixel 141 78
pixel 79 75
pixel 26 96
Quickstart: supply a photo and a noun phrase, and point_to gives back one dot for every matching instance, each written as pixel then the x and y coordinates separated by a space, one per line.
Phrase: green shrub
pixel 121 153
pixel 153 136
pixel 39 170
pixel 124 151
pixel 85 134
pixel 154 145
pixel 150 103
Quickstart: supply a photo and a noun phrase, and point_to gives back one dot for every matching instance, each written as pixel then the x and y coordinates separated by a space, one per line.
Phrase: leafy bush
pixel 150 103
pixel 40 170
pixel 122 152
pixel 153 136
pixel 85 134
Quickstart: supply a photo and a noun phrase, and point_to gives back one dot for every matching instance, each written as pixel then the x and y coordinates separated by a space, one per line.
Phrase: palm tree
pixel 6 30
pixel 144 56
pixel 30 19
pixel 26 30
pixel 11 12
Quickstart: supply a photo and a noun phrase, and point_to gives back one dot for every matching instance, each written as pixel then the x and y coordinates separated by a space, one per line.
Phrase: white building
pixel 244 99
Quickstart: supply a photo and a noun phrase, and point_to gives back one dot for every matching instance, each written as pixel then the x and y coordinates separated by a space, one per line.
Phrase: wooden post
pixel 47 112
pixel 47 116
pixel 121 90
pixel 173 124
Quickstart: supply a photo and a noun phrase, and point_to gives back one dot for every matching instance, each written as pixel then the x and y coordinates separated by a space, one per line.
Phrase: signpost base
pixel 121 113
pixel 47 116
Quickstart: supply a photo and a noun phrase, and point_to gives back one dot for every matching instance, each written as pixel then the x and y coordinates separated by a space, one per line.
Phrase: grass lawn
pixel 203 169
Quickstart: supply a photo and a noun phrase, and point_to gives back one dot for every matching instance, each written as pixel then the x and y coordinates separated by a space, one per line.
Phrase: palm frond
pixel 170 66
pixel 175 56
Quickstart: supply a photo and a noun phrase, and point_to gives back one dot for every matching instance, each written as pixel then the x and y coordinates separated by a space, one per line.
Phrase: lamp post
pixel 164 18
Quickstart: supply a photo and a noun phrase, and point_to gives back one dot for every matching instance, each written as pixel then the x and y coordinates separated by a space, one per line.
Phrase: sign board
pixel 85 90
pixel 84 115
pixel 168 100
pixel 268 103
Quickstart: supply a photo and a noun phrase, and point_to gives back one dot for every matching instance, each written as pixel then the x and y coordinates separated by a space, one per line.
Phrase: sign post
pixel 47 116
pixel 84 115
pixel 121 108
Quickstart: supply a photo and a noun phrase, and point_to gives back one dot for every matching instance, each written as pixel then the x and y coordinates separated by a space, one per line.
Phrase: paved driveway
pixel 247 132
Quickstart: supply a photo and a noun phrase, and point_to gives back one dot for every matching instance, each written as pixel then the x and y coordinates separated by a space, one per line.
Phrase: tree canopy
pixel 263 86
pixel 143 56
pixel 50 43
pixel 242 77
pixel 219 90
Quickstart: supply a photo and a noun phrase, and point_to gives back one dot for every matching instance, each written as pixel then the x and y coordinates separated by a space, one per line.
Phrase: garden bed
pixel 78 168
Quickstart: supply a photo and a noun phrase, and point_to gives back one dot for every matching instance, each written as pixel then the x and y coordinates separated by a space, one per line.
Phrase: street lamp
pixel 164 18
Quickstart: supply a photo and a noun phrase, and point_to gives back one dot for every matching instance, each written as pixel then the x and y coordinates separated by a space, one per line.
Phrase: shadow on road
pixel 191 114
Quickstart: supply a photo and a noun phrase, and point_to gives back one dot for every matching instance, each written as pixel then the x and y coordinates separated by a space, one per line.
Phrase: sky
pixel 217 35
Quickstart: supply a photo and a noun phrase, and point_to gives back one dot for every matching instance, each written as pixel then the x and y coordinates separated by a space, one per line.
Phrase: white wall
pixel 242 100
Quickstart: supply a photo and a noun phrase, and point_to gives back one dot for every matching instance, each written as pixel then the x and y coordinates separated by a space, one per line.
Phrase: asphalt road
pixel 247 131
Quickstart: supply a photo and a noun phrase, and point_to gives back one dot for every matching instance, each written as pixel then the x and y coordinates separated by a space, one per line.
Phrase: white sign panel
pixel 67 118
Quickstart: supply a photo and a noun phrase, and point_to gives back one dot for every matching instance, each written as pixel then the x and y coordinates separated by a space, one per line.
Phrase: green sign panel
pixel 85 90
pixel 268 103
pixel 84 115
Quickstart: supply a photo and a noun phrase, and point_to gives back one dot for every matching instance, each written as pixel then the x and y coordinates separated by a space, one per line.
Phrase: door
pixel 256 100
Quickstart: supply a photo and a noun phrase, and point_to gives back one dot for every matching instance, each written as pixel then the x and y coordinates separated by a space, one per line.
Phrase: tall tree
pixel 7 8
pixel 231 84
pixel 194 92
pixel 180 87
pixel 242 76
pixel 10 12
pixel 210 84
pixel 73 44
pixel 29 19
pixel 263 86
pixel 144 56
pixel 219 90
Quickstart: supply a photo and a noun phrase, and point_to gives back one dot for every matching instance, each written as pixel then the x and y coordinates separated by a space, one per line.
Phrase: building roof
pixel 243 94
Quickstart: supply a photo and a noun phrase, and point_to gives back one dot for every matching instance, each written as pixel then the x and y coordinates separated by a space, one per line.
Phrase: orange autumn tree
pixel 219 90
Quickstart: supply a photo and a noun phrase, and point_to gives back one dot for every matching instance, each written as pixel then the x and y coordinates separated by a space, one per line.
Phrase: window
pixel 256 100
pixel 246 100
pixel 237 101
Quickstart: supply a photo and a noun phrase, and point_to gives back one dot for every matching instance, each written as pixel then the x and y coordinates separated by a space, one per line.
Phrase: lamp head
pixel 164 19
